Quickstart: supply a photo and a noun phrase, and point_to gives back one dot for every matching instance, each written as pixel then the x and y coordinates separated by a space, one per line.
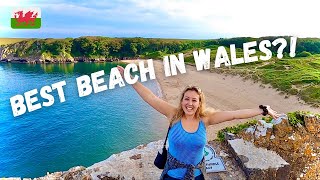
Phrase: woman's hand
pixel 272 112
pixel 147 95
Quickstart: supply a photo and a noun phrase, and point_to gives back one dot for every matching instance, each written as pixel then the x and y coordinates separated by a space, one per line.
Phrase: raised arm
pixel 147 95
pixel 223 116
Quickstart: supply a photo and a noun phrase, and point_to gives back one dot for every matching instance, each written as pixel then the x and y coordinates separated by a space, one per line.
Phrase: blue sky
pixel 190 19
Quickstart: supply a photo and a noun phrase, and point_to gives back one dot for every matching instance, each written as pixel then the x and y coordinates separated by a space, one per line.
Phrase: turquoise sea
pixel 79 131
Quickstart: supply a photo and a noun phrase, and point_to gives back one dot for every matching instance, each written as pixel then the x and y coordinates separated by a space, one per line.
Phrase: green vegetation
pixel 297 117
pixel 103 47
pixel 303 54
pixel 93 47
pixel 294 76
pixel 234 129
pixel 293 117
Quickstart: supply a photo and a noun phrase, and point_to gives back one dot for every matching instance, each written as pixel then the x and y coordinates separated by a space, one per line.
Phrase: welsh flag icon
pixel 26 18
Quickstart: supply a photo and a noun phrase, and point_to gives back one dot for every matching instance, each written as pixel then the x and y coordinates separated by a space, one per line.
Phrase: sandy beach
pixel 225 92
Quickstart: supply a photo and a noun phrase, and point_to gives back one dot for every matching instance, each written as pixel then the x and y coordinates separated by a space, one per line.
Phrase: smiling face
pixel 190 102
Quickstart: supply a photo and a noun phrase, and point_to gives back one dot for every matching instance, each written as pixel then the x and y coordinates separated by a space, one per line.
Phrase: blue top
pixel 186 147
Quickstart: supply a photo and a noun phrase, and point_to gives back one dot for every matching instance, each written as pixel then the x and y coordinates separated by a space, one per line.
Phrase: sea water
pixel 79 131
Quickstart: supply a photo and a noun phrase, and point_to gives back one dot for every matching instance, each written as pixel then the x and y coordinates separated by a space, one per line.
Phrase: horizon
pixel 164 38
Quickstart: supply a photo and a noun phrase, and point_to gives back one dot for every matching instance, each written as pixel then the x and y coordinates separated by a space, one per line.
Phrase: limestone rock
pixel 52 176
pixel 282 129
pixel 312 124
pixel 258 163
pixel 133 164
pixel 74 173
pixel 299 145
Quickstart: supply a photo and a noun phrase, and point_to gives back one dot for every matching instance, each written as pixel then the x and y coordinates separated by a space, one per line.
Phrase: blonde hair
pixel 201 111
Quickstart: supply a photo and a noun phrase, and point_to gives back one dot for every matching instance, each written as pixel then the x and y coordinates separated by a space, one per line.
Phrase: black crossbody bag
pixel 161 159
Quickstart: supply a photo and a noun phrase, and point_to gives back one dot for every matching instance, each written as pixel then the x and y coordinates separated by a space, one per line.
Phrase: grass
pixel 294 118
pixel 234 129
pixel 295 76
pixel 297 117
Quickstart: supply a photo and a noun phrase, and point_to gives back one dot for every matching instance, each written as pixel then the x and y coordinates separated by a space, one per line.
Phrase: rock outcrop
pixel 31 52
pixel 298 145
pixel 258 163
pixel 137 164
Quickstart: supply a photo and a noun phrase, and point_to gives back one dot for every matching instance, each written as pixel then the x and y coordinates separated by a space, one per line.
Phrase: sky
pixel 189 19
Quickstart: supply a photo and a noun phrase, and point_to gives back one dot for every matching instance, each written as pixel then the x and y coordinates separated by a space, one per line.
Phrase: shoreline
pixel 225 92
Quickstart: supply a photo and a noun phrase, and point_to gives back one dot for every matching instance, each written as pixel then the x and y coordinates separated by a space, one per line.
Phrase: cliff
pixel 138 164
pixel 39 51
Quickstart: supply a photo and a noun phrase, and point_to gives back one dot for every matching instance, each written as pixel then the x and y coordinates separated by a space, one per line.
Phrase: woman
pixel 188 121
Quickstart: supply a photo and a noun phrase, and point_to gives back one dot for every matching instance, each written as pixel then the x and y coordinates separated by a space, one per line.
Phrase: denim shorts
pixel 167 177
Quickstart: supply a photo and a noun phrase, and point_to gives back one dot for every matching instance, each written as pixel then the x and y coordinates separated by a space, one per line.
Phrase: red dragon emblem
pixel 26 18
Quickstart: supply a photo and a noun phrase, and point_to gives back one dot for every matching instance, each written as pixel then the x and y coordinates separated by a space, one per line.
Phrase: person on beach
pixel 188 121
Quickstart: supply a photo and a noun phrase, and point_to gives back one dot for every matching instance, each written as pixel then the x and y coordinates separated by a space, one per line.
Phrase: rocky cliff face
pixel 22 52
pixel 11 53
pixel 137 164
pixel 133 164
pixel 15 53
pixel 299 146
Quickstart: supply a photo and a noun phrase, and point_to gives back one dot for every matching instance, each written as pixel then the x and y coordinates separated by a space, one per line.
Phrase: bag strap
pixel 165 141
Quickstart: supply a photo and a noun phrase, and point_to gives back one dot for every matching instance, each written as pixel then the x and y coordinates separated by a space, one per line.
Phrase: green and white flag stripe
pixel 24 18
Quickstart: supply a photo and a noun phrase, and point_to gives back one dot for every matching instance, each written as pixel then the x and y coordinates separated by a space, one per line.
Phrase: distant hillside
pixel 91 48
pixel 5 41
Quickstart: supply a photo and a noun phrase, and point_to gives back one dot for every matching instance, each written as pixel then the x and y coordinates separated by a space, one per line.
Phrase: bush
pixel 297 117
pixel 304 54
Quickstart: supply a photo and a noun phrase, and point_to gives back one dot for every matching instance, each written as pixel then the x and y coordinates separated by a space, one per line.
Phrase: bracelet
pixel 265 110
